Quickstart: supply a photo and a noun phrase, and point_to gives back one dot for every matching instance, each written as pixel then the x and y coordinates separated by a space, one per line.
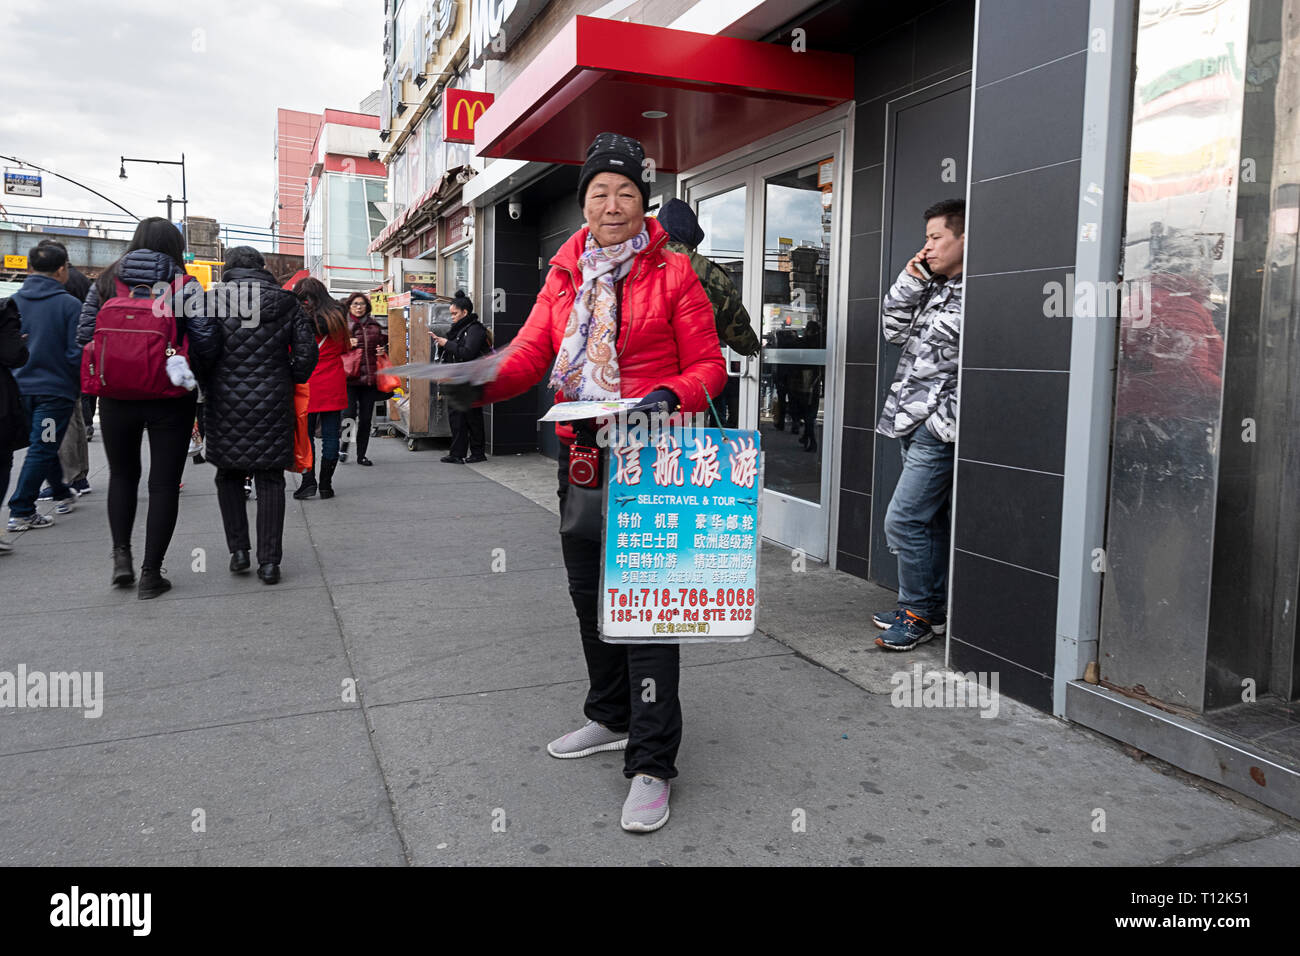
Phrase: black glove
pixel 660 400
pixel 460 396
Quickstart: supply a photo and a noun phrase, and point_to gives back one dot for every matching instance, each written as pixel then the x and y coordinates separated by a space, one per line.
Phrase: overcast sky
pixel 87 81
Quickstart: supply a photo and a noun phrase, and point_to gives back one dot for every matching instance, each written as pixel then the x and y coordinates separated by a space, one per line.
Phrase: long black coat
pixel 13 354
pixel 249 417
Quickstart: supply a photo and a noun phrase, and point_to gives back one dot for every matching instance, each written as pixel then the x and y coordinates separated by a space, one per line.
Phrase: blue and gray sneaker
pixel 887 619
pixel 908 631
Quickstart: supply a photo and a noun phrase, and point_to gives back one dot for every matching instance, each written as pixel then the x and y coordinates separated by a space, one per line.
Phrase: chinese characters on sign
pixel 682 537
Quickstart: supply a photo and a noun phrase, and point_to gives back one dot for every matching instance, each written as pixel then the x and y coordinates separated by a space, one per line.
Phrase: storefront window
pixel 457 272
pixel 401 181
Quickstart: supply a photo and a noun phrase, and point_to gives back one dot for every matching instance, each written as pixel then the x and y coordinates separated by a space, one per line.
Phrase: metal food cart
pixel 422 412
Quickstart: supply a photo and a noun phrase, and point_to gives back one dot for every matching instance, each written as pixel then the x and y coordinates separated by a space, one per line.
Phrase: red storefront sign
pixel 460 109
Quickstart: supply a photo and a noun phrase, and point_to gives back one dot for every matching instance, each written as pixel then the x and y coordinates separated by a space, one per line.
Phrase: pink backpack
pixel 135 334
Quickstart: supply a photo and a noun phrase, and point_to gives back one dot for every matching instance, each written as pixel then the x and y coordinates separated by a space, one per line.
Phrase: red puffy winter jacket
pixel 329 383
pixel 667 337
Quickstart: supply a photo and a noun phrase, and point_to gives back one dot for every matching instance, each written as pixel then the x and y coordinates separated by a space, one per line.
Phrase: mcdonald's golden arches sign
pixel 460 110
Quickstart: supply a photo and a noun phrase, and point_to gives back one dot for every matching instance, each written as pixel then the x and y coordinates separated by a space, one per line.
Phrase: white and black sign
pixel 22 184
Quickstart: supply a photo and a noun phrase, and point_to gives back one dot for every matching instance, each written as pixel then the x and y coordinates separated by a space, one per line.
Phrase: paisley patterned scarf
pixel 587 366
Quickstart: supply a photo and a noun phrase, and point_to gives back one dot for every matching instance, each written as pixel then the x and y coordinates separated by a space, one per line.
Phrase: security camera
pixel 516 209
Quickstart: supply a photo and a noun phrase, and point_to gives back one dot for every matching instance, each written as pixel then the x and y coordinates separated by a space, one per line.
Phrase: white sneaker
pixel 5 546
pixel 589 739
pixel 66 506
pixel 32 521
pixel 646 807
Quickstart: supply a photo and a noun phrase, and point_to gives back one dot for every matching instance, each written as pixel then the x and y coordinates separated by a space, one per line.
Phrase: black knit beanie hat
pixel 678 220
pixel 612 153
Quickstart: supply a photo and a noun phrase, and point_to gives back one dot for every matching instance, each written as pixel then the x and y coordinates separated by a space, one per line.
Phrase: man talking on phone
pixel 923 313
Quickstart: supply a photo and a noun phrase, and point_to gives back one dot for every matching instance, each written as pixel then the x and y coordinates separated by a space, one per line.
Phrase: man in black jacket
pixel 467 339
pixel 267 345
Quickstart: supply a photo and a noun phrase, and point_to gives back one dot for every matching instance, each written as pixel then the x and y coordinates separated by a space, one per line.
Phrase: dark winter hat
pixel 678 220
pixel 612 153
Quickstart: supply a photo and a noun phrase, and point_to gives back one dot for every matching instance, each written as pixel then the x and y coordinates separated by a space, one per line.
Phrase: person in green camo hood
pixel 734 328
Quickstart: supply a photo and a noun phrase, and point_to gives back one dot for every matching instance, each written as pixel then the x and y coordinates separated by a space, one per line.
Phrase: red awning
pixel 295 279
pixel 603 75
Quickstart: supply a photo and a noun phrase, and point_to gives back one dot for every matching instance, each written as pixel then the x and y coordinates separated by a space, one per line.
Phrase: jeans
pixel 917 524
pixel 329 435
pixel 48 416
pixel 618 672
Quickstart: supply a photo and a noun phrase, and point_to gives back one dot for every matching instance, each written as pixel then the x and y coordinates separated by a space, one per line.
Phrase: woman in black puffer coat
pixel 250 417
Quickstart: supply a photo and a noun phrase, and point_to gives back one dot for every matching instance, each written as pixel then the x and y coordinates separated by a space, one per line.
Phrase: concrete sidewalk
pixel 230 704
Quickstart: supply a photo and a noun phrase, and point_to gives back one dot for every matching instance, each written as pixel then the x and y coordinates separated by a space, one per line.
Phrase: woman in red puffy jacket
pixel 328 384
pixel 619 316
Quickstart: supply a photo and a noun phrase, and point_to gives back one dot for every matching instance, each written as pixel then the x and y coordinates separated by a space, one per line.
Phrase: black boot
pixel 327 478
pixel 123 572
pixel 308 487
pixel 239 562
pixel 152 583
pixel 269 573
pixel 343 452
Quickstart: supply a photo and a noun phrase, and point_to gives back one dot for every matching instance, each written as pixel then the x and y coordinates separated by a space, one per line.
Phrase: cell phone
pixel 924 269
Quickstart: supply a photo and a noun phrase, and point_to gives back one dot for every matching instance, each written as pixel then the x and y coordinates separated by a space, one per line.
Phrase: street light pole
pixel 184 201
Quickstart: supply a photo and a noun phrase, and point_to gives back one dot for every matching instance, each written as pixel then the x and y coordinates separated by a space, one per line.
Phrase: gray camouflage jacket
pixel 925 386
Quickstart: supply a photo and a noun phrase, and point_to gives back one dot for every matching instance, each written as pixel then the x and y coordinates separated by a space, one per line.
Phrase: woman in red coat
pixel 328 384
pixel 619 315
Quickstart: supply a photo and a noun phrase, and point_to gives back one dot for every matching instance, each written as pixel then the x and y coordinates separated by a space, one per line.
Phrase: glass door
pixel 722 208
pixel 785 264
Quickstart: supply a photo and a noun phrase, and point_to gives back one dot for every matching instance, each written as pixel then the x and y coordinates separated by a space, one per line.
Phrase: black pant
pixel 270 512
pixel 88 411
pixel 466 432
pixel 361 409
pixel 619 672
pixel 6 467
pixel 169 422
